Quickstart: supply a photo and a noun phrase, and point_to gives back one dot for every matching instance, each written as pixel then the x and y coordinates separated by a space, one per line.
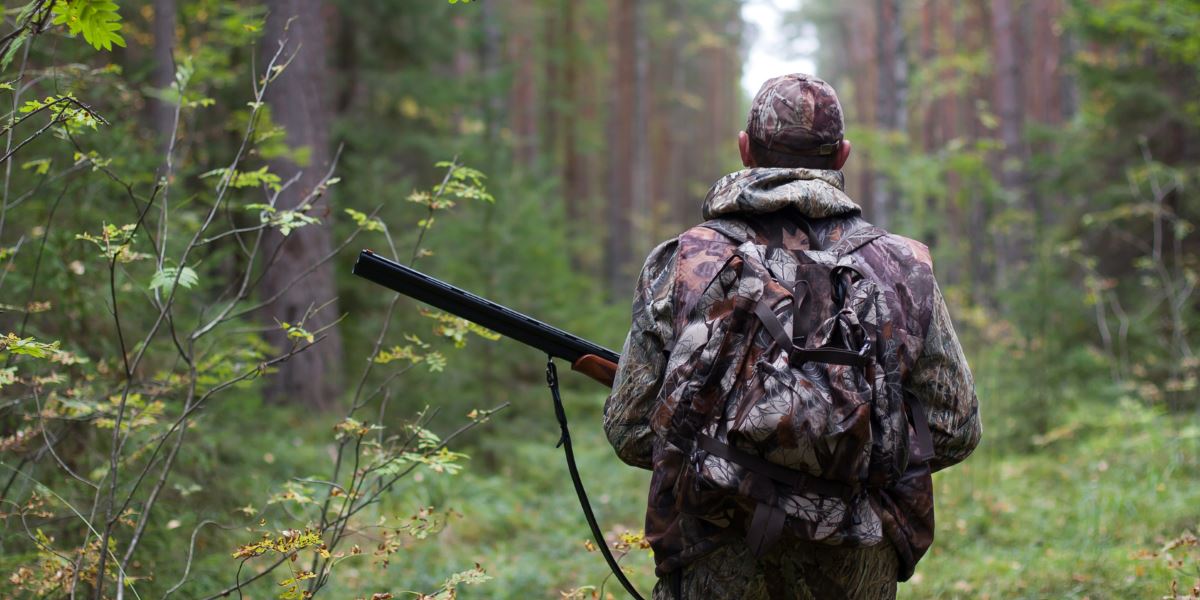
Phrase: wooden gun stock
pixel 600 369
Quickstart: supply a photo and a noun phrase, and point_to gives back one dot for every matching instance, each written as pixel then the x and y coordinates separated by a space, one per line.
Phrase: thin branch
pixel 187 565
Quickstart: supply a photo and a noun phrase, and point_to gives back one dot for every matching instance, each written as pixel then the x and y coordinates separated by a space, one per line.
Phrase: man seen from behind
pixel 710 357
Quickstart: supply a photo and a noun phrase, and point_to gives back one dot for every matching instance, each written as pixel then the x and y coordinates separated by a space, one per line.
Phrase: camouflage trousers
pixel 791 571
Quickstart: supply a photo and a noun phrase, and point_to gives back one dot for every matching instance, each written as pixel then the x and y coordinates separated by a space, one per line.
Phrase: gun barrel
pixel 457 301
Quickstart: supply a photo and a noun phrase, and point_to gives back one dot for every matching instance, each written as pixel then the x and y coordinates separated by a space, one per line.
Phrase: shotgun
pixel 586 357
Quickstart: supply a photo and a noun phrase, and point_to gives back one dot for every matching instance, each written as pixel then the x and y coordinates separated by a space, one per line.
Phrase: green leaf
pixel 244 179
pixel 13 48
pixel 364 221
pixel 63 109
pixel 27 346
pixel 166 278
pixel 298 332
pixel 97 20
pixel 40 166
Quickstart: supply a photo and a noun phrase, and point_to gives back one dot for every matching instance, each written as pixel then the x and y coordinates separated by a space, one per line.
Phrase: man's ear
pixel 744 150
pixel 843 154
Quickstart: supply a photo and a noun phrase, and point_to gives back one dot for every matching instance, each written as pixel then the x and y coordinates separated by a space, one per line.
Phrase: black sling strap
pixel 584 503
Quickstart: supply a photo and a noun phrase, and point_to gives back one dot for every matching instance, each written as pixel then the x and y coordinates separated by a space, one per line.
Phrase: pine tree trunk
pixel 298 102
pixel 622 118
pixel 575 190
pixel 490 55
pixel 892 108
pixel 639 139
pixel 684 206
pixel 974 27
pixel 1008 95
pixel 523 100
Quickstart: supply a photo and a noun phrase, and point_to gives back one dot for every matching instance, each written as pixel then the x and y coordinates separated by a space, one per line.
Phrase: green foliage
pixel 97 20
pixel 415 352
pixel 288 545
pixel 239 179
pixel 115 243
pixel 463 183
pixel 18 346
pixel 285 221
pixel 456 329
pixel 165 278
pixel 63 109
pixel 136 413
pixel 364 221
pixel 1131 243
pixel 141 365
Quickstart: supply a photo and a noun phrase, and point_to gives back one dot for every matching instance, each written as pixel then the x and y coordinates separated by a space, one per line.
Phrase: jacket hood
pixel 815 193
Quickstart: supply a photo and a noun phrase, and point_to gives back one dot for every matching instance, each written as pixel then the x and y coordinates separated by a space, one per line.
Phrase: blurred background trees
pixel 1044 149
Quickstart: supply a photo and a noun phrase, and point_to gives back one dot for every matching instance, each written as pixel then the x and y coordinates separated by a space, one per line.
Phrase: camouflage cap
pixel 796 114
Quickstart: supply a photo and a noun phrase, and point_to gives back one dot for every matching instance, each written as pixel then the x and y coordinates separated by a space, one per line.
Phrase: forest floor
pixel 1085 512
pixel 1084 516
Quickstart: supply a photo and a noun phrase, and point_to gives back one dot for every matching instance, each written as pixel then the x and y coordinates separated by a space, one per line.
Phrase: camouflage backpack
pixel 783 397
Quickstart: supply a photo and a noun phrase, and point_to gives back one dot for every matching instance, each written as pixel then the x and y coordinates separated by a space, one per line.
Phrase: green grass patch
pixel 1080 518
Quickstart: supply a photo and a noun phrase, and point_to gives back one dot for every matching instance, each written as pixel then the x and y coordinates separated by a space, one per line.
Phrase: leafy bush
pixel 148 317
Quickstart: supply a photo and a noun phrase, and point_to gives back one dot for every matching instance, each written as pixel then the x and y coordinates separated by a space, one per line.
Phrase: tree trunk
pixel 622 117
pixel 892 94
pixel 1008 95
pixel 576 190
pixel 489 62
pixel 164 70
pixel 639 140
pixel 862 66
pixel 523 100
pixel 683 205
pixel 973 26
pixel 298 103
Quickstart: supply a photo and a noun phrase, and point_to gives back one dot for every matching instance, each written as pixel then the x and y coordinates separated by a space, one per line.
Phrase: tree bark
pixel 892 96
pixel 164 70
pixel 974 27
pixel 574 176
pixel 298 103
pixel 683 205
pixel 1008 95
pixel 523 100
pixel 622 110
pixel 858 22
pixel 490 48
pixel 640 143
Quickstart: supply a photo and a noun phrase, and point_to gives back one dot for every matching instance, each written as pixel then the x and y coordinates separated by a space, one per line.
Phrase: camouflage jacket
pixel 768 201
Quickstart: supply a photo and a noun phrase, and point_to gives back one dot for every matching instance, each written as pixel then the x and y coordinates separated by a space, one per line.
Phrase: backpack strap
pixel 768 519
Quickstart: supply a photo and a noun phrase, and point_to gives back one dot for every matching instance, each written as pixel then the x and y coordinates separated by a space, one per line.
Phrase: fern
pixel 97 20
